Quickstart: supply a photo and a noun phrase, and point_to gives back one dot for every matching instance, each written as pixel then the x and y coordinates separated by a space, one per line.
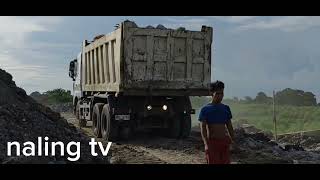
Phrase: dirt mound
pixel 258 147
pixel 308 142
pixel 22 119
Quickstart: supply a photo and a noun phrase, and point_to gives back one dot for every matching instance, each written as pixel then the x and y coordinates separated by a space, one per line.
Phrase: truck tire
pixel 109 128
pixel 96 119
pixel 82 122
pixel 174 127
pixel 185 125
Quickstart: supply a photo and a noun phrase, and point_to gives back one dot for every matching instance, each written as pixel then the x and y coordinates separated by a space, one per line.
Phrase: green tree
pixel 262 98
pixel 309 99
pixel 295 97
pixel 58 96
pixel 248 99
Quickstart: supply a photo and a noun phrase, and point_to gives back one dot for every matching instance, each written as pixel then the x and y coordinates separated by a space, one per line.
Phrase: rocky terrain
pixel 22 119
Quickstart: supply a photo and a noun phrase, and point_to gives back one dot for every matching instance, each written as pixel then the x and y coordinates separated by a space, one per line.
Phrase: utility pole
pixel 274 118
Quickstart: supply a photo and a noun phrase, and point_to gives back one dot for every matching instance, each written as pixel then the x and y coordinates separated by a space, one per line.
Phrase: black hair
pixel 218 85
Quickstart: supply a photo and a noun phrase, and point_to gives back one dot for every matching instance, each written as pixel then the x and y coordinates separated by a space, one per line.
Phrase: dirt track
pixel 152 148
pixel 146 148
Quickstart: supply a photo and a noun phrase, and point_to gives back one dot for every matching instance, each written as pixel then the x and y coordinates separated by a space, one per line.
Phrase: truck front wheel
pixel 109 127
pixel 96 119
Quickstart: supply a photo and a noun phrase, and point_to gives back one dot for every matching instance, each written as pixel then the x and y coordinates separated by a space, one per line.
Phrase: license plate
pixel 122 117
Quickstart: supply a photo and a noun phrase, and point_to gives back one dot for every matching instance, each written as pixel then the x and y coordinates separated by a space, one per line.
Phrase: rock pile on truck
pixel 22 119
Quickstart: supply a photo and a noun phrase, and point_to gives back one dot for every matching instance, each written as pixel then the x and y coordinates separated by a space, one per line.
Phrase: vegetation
pixel 53 96
pixel 295 110
pixel 296 97
pixel 289 118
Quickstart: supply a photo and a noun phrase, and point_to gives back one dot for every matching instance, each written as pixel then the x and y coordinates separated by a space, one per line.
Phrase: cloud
pixel 20 71
pixel 208 19
pixel 34 77
pixel 19 55
pixel 188 20
pixel 235 19
pixel 195 23
pixel 190 23
pixel 286 24
pixel 282 23
pixel 11 24
pixel 14 30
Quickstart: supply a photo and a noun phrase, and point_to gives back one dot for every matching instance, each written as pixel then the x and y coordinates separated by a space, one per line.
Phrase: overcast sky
pixel 250 54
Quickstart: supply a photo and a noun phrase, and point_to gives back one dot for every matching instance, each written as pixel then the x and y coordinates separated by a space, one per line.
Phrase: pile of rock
pixel 62 107
pixel 22 119
pixel 308 142
pixel 258 147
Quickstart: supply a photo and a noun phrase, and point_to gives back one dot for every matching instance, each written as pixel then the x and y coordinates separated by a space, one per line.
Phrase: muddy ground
pixel 148 148
pixel 154 148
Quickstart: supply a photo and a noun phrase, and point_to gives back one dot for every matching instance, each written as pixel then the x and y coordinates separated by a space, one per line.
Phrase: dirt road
pixel 152 148
pixel 148 148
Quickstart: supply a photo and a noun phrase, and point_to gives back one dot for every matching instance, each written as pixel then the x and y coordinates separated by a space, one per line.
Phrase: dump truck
pixel 138 78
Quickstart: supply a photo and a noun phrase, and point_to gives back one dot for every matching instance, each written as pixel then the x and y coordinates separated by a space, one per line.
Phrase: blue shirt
pixel 215 114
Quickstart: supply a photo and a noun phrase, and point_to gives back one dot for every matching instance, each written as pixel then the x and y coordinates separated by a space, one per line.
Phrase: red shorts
pixel 218 151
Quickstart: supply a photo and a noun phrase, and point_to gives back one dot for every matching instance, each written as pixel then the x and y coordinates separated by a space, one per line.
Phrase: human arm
pixel 231 130
pixel 203 127
pixel 229 125
pixel 204 133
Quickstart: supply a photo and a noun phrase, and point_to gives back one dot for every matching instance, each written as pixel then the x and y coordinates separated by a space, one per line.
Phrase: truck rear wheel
pixel 185 125
pixel 82 122
pixel 109 128
pixel 96 119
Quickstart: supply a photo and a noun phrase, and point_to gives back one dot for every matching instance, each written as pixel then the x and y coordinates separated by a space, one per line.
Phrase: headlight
pixel 149 107
pixel 164 107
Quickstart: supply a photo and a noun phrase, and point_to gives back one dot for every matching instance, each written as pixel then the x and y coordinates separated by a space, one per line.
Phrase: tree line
pixel 287 96
pixel 53 96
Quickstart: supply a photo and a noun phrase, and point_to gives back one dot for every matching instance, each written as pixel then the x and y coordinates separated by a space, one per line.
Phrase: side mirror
pixel 72 67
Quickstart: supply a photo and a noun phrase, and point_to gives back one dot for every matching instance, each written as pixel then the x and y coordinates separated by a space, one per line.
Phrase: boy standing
pixel 216 127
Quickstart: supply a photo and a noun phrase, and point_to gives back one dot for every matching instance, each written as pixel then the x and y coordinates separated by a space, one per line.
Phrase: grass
pixel 289 118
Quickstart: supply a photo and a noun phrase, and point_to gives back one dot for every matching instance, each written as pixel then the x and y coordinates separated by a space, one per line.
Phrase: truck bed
pixel 141 61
